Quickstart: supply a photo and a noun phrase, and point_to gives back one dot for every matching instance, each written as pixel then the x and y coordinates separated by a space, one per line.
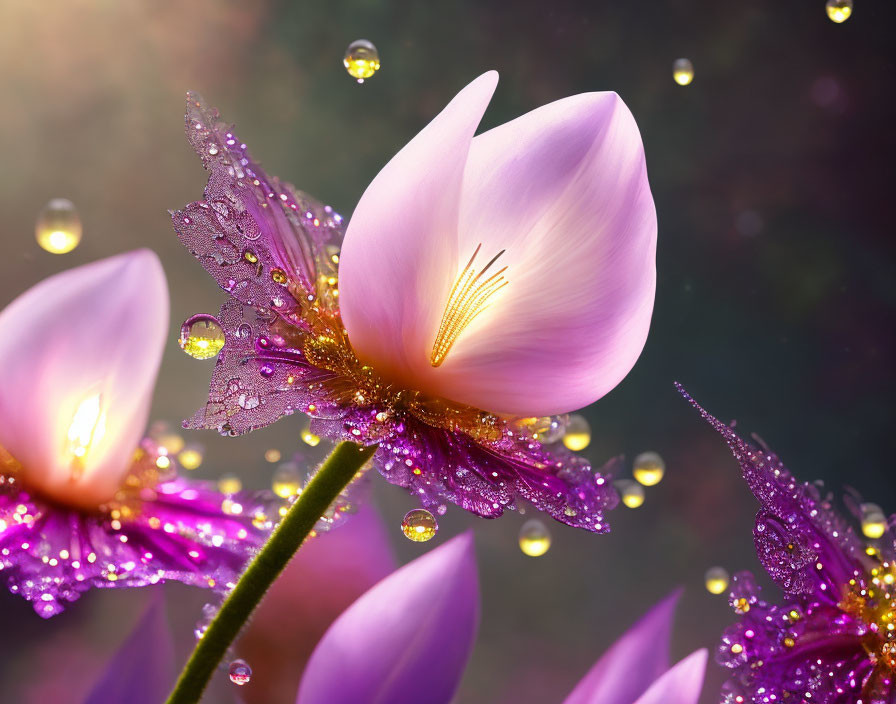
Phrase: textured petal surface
pixel 320 582
pixel 407 639
pixel 96 333
pixel 563 189
pixel 142 671
pixel 681 684
pixel 398 259
pixel 634 661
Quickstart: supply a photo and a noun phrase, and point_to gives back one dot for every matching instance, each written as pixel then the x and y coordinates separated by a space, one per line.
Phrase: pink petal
pixel 93 332
pixel 634 661
pixel 680 684
pixel 407 639
pixel 320 582
pixel 392 269
pixel 563 189
pixel 142 670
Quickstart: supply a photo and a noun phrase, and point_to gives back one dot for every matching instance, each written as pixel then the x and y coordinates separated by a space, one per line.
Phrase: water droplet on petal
pixel 631 493
pixel 419 525
pixel 58 228
pixel 535 539
pixel 201 336
pixel 649 468
pixel 874 521
pixel 240 672
pixel 839 10
pixel 716 580
pixel 683 71
pixel 361 60
pixel 578 433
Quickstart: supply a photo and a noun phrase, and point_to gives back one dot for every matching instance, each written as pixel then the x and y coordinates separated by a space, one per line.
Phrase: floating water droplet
pixel 58 228
pixel 229 484
pixel 716 580
pixel 631 493
pixel 201 336
pixel 839 10
pixel 419 525
pixel 361 60
pixel 578 433
pixel 548 429
pixel 240 673
pixel 874 521
pixel 287 480
pixel 190 457
pixel 649 468
pixel 683 71
pixel 535 539
pixel 273 455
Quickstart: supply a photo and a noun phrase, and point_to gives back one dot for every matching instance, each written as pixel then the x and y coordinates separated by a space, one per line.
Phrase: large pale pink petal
pixel 407 639
pixel 93 333
pixel 392 271
pixel 634 661
pixel 563 189
pixel 681 684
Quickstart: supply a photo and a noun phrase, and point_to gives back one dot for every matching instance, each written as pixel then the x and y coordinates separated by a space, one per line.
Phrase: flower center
pixel 471 294
pixel 88 426
pixel 874 602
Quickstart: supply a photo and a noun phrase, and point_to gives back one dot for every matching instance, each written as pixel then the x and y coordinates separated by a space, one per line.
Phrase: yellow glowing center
pixel 87 427
pixel 469 296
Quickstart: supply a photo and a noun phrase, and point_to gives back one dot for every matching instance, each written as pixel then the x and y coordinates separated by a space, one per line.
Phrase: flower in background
pixel 409 638
pixel 833 637
pixel 486 286
pixel 83 501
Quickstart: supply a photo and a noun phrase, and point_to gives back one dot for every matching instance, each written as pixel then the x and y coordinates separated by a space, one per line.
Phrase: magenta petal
pixel 634 661
pixel 142 670
pixel 680 684
pixel 93 332
pixel 407 639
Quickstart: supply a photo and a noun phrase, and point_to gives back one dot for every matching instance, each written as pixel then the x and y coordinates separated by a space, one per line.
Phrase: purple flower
pixel 833 637
pixel 488 284
pixel 83 502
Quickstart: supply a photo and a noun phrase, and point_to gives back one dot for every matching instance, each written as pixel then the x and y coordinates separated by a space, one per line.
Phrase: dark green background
pixel 773 179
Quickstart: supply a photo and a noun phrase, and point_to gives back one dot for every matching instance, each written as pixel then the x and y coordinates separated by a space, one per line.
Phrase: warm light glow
pixel 310 438
pixel 361 60
pixel 839 10
pixel 87 427
pixel 716 580
pixel 535 539
pixel 683 72
pixel 58 229
pixel 190 458
pixel 578 433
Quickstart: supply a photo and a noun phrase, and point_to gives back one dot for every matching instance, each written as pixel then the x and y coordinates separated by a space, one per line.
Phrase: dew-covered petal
pixel 79 354
pixel 563 192
pixel 397 261
pixel 320 582
pixel 634 661
pixel 142 670
pixel 407 639
pixel 680 684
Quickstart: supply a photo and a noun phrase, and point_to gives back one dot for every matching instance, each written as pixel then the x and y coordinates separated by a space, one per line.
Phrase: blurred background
pixel 773 178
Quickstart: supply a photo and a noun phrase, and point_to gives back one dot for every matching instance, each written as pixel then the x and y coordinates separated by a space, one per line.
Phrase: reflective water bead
pixel 58 228
pixel 240 673
pixel 535 539
pixel 286 481
pixel 874 521
pixel 201 336
pixel 649 468
pixel 716 580
pixel 190 457
pixel 578 433
pixel 631 493
pixel 839 10
pixel 548 429
pixel 229 484
pixel 361 60
pixel 419 525
pixel 683 71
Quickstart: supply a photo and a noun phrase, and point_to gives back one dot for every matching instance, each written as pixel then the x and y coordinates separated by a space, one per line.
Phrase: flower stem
pixel 334 475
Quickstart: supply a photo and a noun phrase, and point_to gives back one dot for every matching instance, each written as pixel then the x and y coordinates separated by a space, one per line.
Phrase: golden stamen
pixel 469 296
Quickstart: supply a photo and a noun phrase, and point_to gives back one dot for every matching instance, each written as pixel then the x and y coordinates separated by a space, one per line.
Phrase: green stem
pixel 334 475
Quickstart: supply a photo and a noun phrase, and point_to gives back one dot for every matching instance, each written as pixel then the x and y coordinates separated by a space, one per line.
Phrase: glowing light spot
pixel 272 455
pixel 649 468
pixel 87 427
pixel 716 580
pixel 535 539
pixel 190 457
pixel 310 438
pixel 286 481
pixel 631 493
pixel 419 525
pixel 229 484
pixel 839 10
pixel 683 71
pixel 361 60
pixel 874 521
pixel 58 228
pixel 202 337
pixel 578 433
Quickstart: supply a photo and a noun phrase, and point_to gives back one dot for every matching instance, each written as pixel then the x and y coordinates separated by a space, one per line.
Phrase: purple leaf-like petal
pixel 142 670
pixel 634 661
pixel 680 684
pixel 406 639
